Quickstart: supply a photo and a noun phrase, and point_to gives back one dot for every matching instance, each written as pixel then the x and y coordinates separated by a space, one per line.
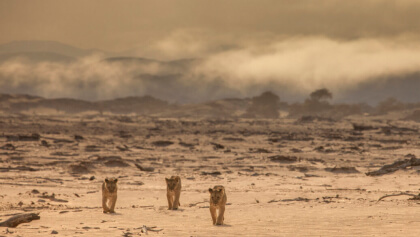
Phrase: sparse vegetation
pixel 265 105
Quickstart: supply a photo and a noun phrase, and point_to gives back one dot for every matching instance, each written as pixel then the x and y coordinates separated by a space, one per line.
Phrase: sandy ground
pixel 267 196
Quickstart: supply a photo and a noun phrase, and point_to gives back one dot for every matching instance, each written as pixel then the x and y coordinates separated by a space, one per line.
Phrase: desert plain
pixel 283 177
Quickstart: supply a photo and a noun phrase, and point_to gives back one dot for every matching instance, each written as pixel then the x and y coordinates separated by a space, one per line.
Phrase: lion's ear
pixel 166 179
pixel 210 190
pixel 106 180
pixel 177 178
pixel 116 180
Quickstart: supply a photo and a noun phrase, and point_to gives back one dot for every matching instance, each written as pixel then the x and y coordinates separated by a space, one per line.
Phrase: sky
pixel 126 24
pixel 301 45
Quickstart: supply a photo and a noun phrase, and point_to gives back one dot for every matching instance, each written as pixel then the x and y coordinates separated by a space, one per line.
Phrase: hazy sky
pixel 290 46
pixel 125 24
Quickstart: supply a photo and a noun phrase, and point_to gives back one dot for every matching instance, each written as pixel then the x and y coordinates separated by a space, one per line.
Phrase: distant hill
pixel 140 105
pixel 37 57
pixel 135 104
pixel 35 46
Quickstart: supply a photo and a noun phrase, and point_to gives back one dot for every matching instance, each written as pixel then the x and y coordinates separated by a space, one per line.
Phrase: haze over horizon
pixel 360 50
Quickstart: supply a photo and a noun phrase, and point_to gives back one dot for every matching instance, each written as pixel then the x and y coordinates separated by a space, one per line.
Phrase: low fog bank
pixel 356 71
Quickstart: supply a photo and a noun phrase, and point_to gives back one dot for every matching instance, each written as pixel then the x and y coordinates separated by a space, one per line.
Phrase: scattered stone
pixel 116 163
pixel 44 143
pixel 146 169
pixel 123 148
pixel 92 148
pixel 24 138
pixel 361 127
pixel 283 159
pixel 162 143
pixel 233 139
pixel 8 147
pixel 217 146
pixel 344 170
pixel 78 137
pixel 214 173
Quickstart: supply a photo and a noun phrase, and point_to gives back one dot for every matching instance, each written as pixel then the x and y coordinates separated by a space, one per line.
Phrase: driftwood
pixel 298 199
pixel 400 164
pixel 414 196
pixel 19 219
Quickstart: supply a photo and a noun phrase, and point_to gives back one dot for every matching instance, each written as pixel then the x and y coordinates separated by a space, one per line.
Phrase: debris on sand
pixel 19 219
pixel 414 196
pixel 78 137
pixel 233 139
pixel 107 158
pixel 19 168
pixel 361 127
pixel 310 119
pixel 116 163
pixel 63 141
pixel 217 146
pixel 162 143
pixel 92 148
pixel 283 159
pixel 296 150
pixel 61 153
pixel 298 168
pixel 214 173
pixel 322 149
pixel 123 148
pixel 146 169
pixel 189 145
pixel 24 138
pixel 400 164
pixel 44 143
pixel 51 197
pixel 298 199
pixel 343 170
pixel 112 161
pixel 8 146
pixel 259 150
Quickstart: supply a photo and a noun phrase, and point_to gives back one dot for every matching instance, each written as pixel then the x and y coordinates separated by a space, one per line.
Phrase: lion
pixel 109 195
pixel 173 192
pixel 218 200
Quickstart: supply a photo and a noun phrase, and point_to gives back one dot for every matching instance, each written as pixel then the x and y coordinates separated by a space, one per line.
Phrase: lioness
pixel 218 200
pixel 173 192
pixel 109 194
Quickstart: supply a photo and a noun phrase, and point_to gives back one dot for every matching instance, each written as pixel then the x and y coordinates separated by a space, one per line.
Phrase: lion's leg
pixel 113 202
pixel 220 217
pixel 176 201
pixel 170 201
pixel 213 214
pixel 104 206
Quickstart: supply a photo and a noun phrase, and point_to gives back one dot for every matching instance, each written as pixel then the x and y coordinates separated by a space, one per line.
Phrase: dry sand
pixel 266 197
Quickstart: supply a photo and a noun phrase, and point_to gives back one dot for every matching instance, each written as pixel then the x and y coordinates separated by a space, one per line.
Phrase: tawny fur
pixel 173 192
pixel 109 195
pixel 218 201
